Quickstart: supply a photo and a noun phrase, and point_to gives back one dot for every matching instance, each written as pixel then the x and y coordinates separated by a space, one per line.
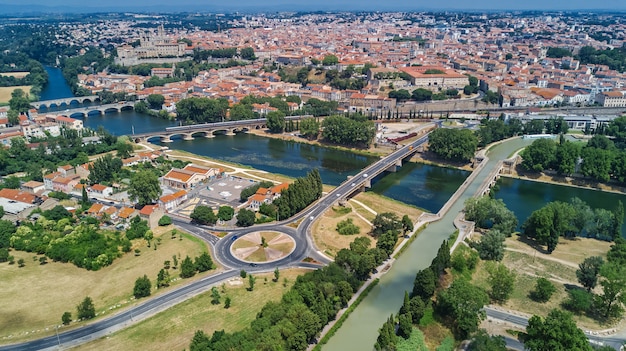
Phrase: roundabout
pixel 262 246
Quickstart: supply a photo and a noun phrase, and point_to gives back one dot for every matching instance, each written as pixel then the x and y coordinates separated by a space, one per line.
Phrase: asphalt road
pixel 522 322
pixel 222 253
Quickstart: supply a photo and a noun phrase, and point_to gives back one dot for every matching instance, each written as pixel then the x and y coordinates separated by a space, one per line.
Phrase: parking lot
pixel 224 191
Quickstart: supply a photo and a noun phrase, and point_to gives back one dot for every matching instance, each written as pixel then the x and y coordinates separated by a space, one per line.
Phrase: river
pixel 423 186
pixel 525 196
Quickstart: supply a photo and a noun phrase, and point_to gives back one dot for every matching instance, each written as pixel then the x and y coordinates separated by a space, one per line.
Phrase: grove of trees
pixel 355 130
pixel 457 145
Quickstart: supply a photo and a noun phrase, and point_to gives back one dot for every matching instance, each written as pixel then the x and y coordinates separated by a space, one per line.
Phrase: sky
pixel 354 5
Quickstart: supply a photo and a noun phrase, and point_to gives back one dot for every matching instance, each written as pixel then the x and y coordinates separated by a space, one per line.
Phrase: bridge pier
pixel 230 132
pixel 187 137
pixel 166 139
pixel 392 168
pixel 367 184
pixel 209 134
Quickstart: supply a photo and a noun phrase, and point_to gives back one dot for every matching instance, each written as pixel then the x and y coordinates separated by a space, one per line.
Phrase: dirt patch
pixel 559 267
pixel 5 92
pixel 249 247
pixel 326 237
pixel 17 75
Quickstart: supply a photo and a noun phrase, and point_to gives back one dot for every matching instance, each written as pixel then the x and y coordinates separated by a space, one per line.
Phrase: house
pixel 100 190
pixel 83 170
pixel 255 201
pixel 182 179
pixel 171 201
pixel 65 184
pixel 126 213
pixel 189 176
pixel 152 214
pixel 95 209
pixel 265 196
pixel 66 170
pixel 20 196
pixel 611 99
pixel 33 187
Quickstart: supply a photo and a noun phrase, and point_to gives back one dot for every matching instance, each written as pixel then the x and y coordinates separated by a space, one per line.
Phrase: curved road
pixel 222 253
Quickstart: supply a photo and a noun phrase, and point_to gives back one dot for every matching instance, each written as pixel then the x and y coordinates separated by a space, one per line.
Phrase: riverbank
pixel 518 173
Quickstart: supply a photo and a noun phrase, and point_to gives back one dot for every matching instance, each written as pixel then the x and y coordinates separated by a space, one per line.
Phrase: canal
pixel 360 330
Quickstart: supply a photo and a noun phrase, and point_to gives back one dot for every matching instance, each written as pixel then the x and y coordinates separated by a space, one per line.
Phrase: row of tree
pixel 492 130
pixel 300 194
pixel 599 160
pixel 294 321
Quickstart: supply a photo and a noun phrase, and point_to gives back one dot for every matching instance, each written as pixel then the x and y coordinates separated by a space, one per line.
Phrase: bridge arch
pixel 109 110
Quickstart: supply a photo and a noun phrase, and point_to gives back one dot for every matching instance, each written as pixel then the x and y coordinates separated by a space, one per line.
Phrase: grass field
pixel 325 234
pixel 34 297
pixel 174 328
pixel 17 75
pixel 559 267
pixel 5 92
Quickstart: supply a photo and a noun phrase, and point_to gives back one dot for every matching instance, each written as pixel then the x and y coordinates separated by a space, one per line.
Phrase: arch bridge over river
pixel 47 104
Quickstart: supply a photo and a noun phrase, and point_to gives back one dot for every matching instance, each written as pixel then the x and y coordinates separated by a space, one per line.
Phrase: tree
pixel 187 268
pixel 165 220
pixel 491 246
pixel 417 309
pixel 489 213
pixel 424 284
pixel 400 95
pixel 539 155
pixel 543 290
pixel 163 278
pixel 457 145
pixel 204 262
pixel 276 274
pixel 19 101
pixel 144 187
pixel 588 270
pixel 309 127
pixel 502 282
pixel 461 307
pixel 421 94
pixel 155 101
pixel 405 326
pixel 247 53
pixel 66 318
pixel 613 282
pixel 407 224
pixel 84 197
pixel 557 332
pixel 579 301
pixel 21 263
pixel 251 281
pixel 245 218
pixel 276 121
pixel 142 287
pixel 387 338
pixel 86 309
pixel 203 215
pixel 124 149
pixel 485 342
pixel 227 302
pixel 442 261
pixel 330 60
pixel 215 296
pixel 385 222
pixel 225 213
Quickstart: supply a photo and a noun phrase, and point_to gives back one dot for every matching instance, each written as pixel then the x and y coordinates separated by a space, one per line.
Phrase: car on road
pixel 353 184
pixel 365 175
pixel 338 195
pixel 253 264
pixel 233 238
pixel 311 218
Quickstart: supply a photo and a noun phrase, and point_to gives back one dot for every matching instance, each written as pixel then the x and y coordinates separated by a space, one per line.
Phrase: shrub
pixel 165 220
pixel 346 227
pixel 543 290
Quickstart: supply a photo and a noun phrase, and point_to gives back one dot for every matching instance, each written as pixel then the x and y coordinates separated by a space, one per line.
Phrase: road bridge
pixel 207 130
pixel 222 252
pixel 101 109
pixel 64 102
